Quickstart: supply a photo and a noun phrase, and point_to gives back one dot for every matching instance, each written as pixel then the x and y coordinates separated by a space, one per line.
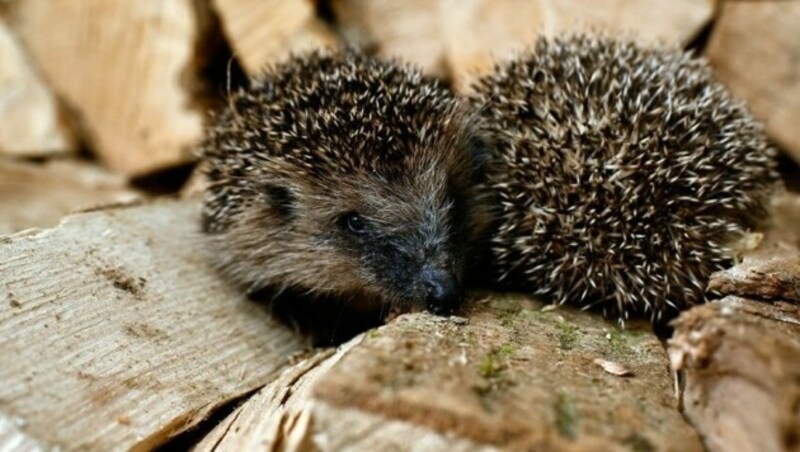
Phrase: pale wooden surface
pixel 127 69
pixel 755 51
pixel 478 33
pixel 12 439
pixel 39 195
pixel 116 334
pixel 409 30
pixel 29 113
pixel 513 377
pixel 266 31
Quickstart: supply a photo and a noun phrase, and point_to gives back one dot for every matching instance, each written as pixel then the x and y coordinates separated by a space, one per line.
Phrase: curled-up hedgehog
pixel 624 175
pixel 339 176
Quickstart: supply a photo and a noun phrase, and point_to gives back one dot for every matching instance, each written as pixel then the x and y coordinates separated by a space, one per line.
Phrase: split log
pixel 739 356
pixel 512 376
pixel 262 32
pixel 35 196
pixel 739 359
pixel 755 51
pixel 32 124
pixel 409 30
pixel 127 68
pixel 478 33
pixel 117 335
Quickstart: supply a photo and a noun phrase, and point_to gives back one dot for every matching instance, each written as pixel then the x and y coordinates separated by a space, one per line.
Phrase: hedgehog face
pixel 394 232
pixel 338 175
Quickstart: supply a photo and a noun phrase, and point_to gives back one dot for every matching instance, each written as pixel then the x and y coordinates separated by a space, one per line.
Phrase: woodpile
pixel 115 333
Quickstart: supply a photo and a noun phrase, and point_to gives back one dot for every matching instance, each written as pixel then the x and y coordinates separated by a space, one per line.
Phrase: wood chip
pixel 613 368
pixel 117 335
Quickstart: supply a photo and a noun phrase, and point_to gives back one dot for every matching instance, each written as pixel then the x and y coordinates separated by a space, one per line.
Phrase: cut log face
pixel 512 377
pixel 755 51
pixel 408 30
pixel 29 113
pixel 127 68
pixel 36 196
pixel 263 32
pixel 117 335
pixel 479 33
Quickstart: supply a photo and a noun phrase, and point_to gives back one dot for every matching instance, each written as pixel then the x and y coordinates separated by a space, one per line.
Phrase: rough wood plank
pixel 755 50
pixel 117 335
pixel 479 32
pixel 513 377
pixel 127 68
pixel 39 195
pixel 409 30
pixel 263 32
pixel 31 122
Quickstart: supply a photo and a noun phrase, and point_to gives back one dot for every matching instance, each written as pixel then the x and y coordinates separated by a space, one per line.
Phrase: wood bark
pixel 117 335
pixel 32 123
pixel 511 377
pixel 738 356
pixel 755 51
pixel 129 71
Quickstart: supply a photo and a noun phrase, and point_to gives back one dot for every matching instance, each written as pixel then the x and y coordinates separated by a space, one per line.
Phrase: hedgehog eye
pixel 353 223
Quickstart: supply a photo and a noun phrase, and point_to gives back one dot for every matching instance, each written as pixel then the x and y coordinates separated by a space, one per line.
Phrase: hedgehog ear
pixel 281 200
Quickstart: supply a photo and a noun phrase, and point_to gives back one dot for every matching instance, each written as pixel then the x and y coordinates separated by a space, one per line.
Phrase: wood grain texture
pixel 755 51
pixel 478 33
pixel 265 31
pixel 116 334
pixel 127 69
pixel 513 377
pixel 39 195
pixel 32 124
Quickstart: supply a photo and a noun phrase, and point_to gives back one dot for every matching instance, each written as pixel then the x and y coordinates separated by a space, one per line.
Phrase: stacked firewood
pixel 115 334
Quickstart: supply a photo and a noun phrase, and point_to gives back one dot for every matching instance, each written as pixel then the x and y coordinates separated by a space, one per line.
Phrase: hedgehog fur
pixel 624 175
pixel 336 175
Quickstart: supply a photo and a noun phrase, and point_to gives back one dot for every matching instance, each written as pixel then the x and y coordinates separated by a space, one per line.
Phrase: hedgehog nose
pixel 442 293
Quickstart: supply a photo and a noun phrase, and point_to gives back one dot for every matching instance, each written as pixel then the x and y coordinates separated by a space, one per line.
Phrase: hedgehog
pixel 624 175
pixel 338 176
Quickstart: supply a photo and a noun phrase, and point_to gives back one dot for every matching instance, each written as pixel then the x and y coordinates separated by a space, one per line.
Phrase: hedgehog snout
pixel 442 291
